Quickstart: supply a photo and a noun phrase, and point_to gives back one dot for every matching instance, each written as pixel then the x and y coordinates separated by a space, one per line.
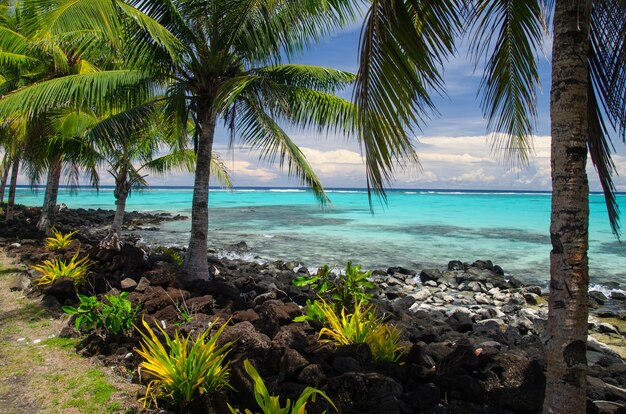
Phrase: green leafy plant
pixel 174 254
pixel 59 240
pixel 115 314
pixel 270 404
pixel 51 270
pixel 344 290
pixel 87 312
pixel 312 312
pixel 182 369
pixel 361 326
pixel 118 313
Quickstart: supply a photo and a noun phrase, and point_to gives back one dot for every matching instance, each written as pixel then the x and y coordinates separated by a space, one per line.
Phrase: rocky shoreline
pixel 473 337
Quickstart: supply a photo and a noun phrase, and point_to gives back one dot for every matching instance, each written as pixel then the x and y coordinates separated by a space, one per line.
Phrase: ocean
pixel 414 229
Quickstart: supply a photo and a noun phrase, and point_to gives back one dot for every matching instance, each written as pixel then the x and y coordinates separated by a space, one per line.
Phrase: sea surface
pixel 415 228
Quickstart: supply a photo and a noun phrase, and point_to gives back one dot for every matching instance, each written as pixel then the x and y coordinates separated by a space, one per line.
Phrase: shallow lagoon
pixel 414 229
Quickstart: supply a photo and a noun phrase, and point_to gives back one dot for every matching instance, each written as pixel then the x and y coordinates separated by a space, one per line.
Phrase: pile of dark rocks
pixel 473 336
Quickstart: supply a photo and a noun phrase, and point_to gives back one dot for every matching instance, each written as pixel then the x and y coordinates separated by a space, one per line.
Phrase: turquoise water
pixel 415 229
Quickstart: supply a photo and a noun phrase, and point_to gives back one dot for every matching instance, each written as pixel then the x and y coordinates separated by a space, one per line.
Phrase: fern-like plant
pixel 182 369
pixel 59 240
pixel 361 326
pixel 270 404
pixel 51 270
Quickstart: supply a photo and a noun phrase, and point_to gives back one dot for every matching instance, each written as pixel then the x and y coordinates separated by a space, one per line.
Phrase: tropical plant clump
pixel 361 326
pixel 51 270
pixel 182 369
pixel 115 314
pixel 173 253
pixel 344 290
pixel 59 240
pixel 270 404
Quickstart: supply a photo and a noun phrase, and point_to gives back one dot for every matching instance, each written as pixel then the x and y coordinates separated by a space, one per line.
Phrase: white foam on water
pixel 285 190
pixel 605 290
pixel 247 257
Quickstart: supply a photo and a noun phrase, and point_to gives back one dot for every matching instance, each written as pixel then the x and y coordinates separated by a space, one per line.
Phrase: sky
pixel 453 146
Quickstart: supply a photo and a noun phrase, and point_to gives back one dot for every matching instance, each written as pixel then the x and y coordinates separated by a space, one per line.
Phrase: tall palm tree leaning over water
pixel 216 61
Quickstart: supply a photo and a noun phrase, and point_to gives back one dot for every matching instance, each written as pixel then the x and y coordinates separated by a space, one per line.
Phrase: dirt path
pixel 40 372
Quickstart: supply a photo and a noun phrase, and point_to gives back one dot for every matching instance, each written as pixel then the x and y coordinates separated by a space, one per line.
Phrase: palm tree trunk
pixel 122 189
pixel 5 175
pixel 196 266
pixel 569 272
pixel 11 202
pixel 46 220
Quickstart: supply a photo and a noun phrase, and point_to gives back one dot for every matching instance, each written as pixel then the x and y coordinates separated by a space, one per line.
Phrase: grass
pixel 89 392
pixel 42 373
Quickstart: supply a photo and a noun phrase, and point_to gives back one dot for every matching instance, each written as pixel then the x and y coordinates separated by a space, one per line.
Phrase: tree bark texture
pixel 569 226
pixel 48 210
pixel 122 189
pixel 15 169
pixel 195 266
pixel 4 178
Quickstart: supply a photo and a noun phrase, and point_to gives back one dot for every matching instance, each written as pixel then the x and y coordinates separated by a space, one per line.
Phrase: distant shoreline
pixel 329 189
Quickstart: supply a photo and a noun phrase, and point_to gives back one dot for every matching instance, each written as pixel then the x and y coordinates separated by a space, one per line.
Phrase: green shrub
pixel 361 326
pixel 270 404
pixel 174 254
pixel 59 240
pixel 115 314
pixel 182 369
pixel 51 270
pixel 344 290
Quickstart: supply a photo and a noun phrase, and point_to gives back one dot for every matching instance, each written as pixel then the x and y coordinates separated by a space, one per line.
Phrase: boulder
pixel 514 382
pixel 291 364
pixel 430 274
pixel 367 392
pixel 128 284
pixel 245 338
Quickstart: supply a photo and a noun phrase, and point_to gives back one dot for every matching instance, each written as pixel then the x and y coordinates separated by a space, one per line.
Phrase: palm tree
pixel 215 60
pixel 28 56
pixel 403 46
pixel 131 145
pixel 64 144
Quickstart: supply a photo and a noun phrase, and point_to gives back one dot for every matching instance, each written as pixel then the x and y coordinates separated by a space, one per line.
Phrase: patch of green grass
pixel 41 324
pixel 91 391
pixel 63 343
pixel 8 271
pixel 33 312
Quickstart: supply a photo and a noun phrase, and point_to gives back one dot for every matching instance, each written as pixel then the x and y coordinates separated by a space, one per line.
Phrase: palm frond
pixel 308 76
pixel 403 47
pixel 220 172
pixel 514 31
pixel 184 160
pixel 262 133
pixel 607 94
pixel 101 89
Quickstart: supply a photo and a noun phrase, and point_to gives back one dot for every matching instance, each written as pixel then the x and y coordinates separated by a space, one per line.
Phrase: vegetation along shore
pixel 459 339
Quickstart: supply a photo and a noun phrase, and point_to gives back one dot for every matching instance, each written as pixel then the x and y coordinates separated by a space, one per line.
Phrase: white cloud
pixel 245 168
pixel 477 176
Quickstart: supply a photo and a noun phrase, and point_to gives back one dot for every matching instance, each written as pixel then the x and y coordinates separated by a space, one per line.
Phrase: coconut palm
pixel 404 43
pixel 65 145
pixel 134 145
pixel 215 60
pixel 28 56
